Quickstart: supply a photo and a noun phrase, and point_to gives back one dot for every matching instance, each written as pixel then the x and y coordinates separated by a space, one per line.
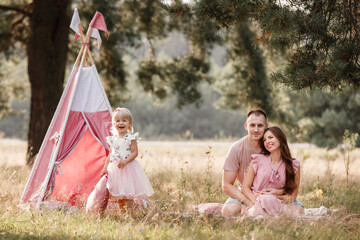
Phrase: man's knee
pixel 231 209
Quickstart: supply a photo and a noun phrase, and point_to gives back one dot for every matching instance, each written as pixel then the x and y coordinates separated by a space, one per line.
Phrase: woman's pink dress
pixel 129 182
pixel 267 177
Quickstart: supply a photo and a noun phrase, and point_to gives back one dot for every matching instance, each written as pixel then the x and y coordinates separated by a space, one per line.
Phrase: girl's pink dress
pixel 267 177
pixel 129 182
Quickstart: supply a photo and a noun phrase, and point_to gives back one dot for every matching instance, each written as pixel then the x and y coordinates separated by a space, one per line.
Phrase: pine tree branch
pixel 152 48
pixel 14 23
pixel 16 9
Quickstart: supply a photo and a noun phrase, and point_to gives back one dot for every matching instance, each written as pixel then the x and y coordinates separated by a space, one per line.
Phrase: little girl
pixel 126 179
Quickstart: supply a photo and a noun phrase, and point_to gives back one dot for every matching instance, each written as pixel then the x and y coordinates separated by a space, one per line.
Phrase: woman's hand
pixel 272 191
pixel 122 164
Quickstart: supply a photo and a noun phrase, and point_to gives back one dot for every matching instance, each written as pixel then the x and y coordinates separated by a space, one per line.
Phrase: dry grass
pixel 183 176
pixel 13 152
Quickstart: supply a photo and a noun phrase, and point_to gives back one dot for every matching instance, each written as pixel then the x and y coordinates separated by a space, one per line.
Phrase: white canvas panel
pixel 90 95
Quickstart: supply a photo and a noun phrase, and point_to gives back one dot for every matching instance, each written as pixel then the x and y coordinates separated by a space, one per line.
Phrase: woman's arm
pixel 249 178
pixel 132 155
pixel 289 198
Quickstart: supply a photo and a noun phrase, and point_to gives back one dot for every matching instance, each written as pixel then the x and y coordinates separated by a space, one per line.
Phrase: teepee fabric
pixel 74 148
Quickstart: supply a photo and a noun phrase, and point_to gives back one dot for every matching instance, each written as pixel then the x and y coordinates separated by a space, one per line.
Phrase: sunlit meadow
pixel 183 175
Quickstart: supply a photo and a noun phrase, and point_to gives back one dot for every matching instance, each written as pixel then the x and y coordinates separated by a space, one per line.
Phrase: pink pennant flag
pixel 98 22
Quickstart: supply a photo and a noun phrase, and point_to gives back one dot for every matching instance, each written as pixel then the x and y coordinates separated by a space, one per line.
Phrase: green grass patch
pixel 177 188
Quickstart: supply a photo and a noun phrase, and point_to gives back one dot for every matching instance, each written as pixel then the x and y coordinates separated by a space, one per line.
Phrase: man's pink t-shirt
pixel 239 158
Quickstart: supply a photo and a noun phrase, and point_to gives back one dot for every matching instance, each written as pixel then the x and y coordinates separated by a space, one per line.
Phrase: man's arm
pixel 248 182
pixel 228 179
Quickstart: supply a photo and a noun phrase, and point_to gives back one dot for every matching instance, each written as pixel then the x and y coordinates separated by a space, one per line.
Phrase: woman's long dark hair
pixel 290 184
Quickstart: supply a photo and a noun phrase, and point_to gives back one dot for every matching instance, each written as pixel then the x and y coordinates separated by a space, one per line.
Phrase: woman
pixel 273 178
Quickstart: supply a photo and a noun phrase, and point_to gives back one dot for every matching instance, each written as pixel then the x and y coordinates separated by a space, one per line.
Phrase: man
pixel 238 159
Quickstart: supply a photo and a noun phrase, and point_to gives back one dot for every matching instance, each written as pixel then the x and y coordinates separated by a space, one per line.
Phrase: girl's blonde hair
pixel 121 112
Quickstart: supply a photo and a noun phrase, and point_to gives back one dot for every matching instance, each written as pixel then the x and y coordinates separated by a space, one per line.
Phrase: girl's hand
pixel 103 172
pixel 122 164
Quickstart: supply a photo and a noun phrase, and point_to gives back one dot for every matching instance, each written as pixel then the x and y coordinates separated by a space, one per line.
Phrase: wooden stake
pixel 87 40
pixel 79 55
pixel 82 41
pixel 91 59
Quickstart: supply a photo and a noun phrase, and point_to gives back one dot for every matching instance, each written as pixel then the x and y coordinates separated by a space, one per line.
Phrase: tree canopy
pixel 321 39
pixel 318 40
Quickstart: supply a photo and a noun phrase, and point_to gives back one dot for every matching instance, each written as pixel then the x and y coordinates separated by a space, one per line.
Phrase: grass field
pixel 183 176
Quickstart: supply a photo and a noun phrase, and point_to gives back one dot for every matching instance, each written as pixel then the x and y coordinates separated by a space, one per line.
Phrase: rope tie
pixel 56 166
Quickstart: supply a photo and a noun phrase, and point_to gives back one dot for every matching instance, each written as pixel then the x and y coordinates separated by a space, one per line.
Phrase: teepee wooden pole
pixel 88 41
pixel 82 42
pixel 91 59
pixel 82 46
pixel 79 55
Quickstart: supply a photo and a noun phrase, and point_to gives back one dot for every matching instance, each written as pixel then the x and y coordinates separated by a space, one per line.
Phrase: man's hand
pixel 256 195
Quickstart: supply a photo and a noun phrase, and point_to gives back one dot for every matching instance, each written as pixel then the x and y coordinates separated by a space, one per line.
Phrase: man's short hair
pixel 257 112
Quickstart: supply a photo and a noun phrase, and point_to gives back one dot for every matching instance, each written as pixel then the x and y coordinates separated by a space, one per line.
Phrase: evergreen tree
pixel 248 84
pixel 321 44
pixel 321 37
pixel 179 76
pixel 324 116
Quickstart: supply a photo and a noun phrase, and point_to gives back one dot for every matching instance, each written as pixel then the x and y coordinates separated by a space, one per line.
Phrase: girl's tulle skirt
pixel 128 183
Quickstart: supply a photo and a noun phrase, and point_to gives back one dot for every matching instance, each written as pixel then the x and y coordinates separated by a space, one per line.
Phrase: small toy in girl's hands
pixel 126 179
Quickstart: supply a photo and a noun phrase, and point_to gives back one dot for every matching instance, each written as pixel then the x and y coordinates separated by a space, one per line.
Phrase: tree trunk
pixel 47 49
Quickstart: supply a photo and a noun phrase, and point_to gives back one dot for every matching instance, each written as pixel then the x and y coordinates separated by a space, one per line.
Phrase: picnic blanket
pixel 310 213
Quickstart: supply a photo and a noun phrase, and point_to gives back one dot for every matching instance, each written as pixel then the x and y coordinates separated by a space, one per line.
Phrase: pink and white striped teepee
pixel 74 149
